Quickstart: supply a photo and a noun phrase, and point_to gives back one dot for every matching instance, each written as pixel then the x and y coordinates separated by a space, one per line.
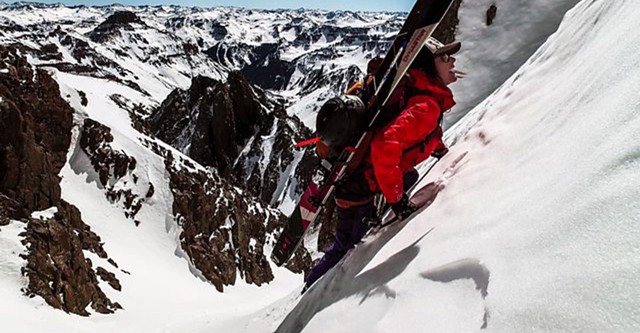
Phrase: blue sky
pixel 369 5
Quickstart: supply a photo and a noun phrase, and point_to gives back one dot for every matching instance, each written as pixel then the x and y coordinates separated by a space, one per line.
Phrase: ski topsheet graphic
pixel 420 24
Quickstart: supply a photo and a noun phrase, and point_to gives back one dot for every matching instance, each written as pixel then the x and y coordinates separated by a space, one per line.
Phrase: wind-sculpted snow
pixel 346 282
pixel 492 53
pixel 463 269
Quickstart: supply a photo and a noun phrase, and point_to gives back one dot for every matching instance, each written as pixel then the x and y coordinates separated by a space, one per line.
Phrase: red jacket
pixel 396 148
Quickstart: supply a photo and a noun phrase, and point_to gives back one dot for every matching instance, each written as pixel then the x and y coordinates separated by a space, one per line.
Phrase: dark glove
pixel 440 152
pixel 403 208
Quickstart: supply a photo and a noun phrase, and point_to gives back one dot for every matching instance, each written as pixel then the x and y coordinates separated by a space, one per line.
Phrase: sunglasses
pixel 446 58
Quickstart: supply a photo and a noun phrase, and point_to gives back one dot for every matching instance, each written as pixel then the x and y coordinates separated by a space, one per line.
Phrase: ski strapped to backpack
pixel 421 22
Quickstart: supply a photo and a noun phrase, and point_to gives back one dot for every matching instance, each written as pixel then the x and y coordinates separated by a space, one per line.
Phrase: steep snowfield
pixel 537 227
pixel 491 54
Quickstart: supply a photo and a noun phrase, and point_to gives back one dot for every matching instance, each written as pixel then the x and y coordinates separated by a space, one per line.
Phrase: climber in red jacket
pixel 407 140
pixel 416 133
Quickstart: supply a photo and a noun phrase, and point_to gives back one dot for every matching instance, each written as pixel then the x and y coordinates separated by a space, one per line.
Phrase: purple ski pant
pixel 351 227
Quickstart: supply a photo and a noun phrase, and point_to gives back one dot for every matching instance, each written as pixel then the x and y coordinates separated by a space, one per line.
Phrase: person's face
pixel 444 66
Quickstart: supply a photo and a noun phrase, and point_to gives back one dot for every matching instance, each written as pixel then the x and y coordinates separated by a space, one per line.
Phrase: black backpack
pixel 342 120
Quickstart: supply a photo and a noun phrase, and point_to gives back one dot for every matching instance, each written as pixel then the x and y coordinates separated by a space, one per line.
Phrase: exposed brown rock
pixel 111 164
pixel 56 266
pixel 35 133
pixel 491 13
pixel 224 232
pixel 83 98
pixel 110 278
pixel 300 262
pixel 7 209
pixel 94 141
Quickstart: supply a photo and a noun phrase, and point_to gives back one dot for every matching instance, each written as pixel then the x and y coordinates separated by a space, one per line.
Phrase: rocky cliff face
pixel 247 138
pixel 240 131
pixel 33 116
pixel 35 133
pixel 224 232
pixel 111 166
pixel 57 268
pixel 224 229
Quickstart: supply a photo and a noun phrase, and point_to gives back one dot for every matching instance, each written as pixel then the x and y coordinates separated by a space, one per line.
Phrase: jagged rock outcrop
pixel 224 231
pixel 199 117
pixel 56 266
pixel 112 165
pixel 34 137
pixel 108 162
pixel 491 13
pixel 235 128
pixel 35 133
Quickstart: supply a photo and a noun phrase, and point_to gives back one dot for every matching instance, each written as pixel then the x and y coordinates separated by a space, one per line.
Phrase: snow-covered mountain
pixel 156 50
pixel 110 204
pixel 307 55
pixel 114 75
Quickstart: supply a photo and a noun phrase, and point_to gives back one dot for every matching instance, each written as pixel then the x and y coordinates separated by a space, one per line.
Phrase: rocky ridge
pixel 241 132
pixel 35 125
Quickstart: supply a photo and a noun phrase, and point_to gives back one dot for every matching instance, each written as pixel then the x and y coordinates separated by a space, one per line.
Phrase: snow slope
pixel 537 227
pixel 491 54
